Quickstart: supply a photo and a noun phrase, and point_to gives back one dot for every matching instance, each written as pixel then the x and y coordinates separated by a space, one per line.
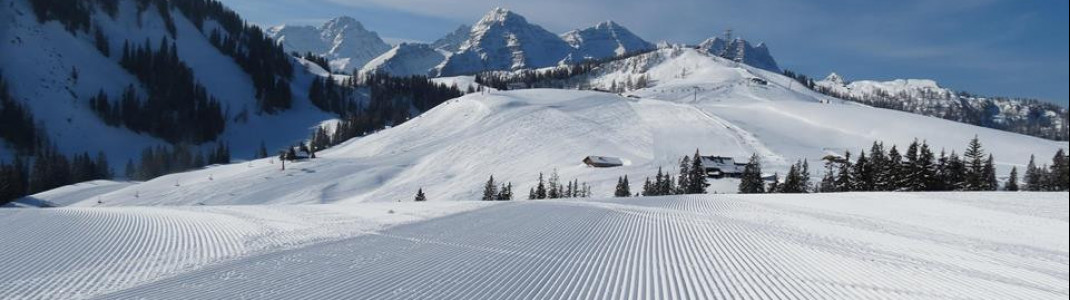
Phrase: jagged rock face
pixel 452 42
pixel 406 60
pixel 344 41
pixel 607 39
pixel 741 50
pixel 503 40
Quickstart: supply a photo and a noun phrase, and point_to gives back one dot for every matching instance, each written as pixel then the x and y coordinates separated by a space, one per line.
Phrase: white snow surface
pixel 828 246
pixel 77 253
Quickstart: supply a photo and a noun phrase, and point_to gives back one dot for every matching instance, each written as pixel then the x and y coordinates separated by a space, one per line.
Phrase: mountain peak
pixel 344 22
pixel 606 39
pixel 741 50
pixel 501 15
pixel 835 78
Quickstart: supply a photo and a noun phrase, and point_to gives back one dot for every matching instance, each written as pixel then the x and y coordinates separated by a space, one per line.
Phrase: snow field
pixel 849 246
pixel 80 252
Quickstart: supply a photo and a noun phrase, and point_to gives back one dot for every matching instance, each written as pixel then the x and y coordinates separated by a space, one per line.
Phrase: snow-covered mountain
pixel 343 41
pixel 742 51
pixel 927 97
pixel 504 40
pixel 406 60
pixel 693 101
pixel 57 66
pixel 452 42
pixel 607 39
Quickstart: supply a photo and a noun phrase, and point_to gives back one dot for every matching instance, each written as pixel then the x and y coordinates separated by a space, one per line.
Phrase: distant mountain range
pixel 926 97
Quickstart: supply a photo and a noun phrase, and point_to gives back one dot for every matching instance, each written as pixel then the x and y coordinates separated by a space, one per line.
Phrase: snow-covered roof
pixel 604 160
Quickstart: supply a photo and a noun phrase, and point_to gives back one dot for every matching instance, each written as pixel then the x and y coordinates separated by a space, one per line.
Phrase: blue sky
pixel 991 47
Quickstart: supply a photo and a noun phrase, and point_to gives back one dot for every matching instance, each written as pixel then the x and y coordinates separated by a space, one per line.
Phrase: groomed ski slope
pixel 832 246
pixel 74 253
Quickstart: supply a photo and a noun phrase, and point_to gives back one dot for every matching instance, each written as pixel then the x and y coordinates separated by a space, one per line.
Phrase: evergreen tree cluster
pixel 663 185
pixel 554 189
pixel 417 92
pixel 160 160
pixel 797 181
pixel 316 59
pixel 392 101
pixel 177 109
pixel 800 78
pixel 623 189
pixel 17 125
pixel 269 66
pixel 751 181
pixel 563 77
pixel 48 169
pixel 1052 178
pixel 493 192
pixel 917 169
pixel 74 15
pixel 327 95
pixel 691 180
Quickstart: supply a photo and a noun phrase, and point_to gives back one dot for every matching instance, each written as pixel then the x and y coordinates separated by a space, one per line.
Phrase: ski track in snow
pixel 850 246
pixel 74 253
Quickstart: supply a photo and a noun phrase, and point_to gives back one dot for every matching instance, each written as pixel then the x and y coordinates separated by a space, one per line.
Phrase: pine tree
pixel 420 197
pixel 1032 176
pixel 622 188
pixel 554 188
pixel 490 190
pixel 751 181
pixel 791 181
pixel 540 190
pixel 975 166
pixel 844 180
pixel 531 194
pixel 1060 171
pixel 684 176
pixel 1012 182
pixel 696 176
pixel 862 175
pixel 893 172
pixel 925 170
pixel 648 188
pixel 878 164
pixel 804 177
pixel 956 173
pixel 505 193
pixel 910 169
pixel 988 173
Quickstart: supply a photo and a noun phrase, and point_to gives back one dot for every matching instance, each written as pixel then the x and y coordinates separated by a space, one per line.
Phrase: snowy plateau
pixel 343 225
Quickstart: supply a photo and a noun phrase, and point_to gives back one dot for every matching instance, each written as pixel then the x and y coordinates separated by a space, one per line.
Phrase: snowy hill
pixel 742 51
pixel 406 60
pixel 607 39
pixel 927 97
pixel 56 71
pixel 504 40
pixel 841 246
pixel 343 40
pixel 694 101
